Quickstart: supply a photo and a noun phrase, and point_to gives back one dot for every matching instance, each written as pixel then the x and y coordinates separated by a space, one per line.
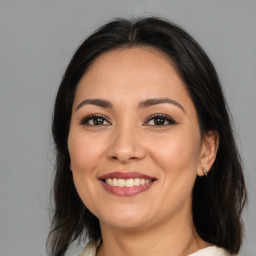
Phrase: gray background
pixel 37 40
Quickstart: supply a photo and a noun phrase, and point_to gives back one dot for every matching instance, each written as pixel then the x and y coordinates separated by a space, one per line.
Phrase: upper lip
pixel 126 175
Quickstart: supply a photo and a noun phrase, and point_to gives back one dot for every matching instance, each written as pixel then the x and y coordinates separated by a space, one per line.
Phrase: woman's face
pixel 134 140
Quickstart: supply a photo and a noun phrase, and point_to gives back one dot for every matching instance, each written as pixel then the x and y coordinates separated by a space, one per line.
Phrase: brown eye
pixel 160 120
pixel 95 120
pixel 98 121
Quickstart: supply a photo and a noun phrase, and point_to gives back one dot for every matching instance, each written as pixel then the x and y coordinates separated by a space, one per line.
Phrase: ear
pixel 209 148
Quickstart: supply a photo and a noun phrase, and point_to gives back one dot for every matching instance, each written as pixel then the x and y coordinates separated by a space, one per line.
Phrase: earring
pixel 205 171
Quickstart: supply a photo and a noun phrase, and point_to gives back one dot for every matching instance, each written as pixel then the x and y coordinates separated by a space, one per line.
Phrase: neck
pixel 172 239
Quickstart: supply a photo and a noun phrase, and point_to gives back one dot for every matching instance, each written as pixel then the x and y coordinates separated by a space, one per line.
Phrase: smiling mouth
pixel 117 182
pixel 126 183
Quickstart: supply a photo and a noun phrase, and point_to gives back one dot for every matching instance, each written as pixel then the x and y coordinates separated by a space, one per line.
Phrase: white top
pixel 91 248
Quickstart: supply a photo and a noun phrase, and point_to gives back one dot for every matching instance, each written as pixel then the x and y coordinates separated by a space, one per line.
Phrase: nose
pixel 126 145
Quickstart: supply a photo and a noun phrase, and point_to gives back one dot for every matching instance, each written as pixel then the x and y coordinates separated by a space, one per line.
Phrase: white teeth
pixel 115 183
pixel 127 182
pixel 137 181
pixel 121 183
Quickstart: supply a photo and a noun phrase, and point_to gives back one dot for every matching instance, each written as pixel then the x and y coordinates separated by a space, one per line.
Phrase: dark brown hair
pixel 218 199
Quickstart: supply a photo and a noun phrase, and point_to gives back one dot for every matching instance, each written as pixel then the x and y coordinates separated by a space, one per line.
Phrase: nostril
pixel 125 150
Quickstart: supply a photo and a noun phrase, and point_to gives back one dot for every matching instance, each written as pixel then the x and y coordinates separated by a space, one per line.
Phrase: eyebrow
pixel 97 102
pixel 143 104
pixel 152 102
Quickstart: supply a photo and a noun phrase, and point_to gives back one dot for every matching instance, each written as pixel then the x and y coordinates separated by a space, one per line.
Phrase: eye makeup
pixel 94 119
pixel 159 120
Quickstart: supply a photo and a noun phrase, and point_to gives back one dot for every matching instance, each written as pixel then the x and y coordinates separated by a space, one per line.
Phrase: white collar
pixel 91 248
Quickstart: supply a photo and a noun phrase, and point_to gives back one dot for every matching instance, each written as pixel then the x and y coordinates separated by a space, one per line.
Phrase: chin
pixel 127 219
pixel 124 224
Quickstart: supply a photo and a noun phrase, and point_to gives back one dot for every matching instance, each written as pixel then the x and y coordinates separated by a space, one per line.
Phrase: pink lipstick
pixel 126 183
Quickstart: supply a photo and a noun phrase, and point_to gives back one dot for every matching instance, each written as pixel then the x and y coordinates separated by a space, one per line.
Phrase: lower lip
pixel 126 191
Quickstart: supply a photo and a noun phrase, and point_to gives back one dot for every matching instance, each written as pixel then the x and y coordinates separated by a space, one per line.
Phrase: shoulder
pixel 212 251
pixel 90 249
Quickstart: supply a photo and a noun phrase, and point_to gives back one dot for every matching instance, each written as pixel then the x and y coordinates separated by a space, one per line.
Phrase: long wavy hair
pixel 218 199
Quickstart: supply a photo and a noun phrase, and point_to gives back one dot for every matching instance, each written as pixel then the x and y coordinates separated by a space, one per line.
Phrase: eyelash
pixel 160 116
pixel 85 120
pixel 163 117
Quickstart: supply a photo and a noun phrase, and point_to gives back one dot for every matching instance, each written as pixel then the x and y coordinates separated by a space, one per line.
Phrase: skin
pixel 157 221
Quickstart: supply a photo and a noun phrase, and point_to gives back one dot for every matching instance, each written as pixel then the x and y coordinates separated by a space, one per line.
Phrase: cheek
pixel 177 153
pixel 177 157
pixel 84 153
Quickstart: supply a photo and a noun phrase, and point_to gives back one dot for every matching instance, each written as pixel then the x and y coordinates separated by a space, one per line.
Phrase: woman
pixel 146 159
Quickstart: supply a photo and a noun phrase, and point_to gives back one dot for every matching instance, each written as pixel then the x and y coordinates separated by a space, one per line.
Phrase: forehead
pixel 134 56
pixel 132 72
pixel 136 60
